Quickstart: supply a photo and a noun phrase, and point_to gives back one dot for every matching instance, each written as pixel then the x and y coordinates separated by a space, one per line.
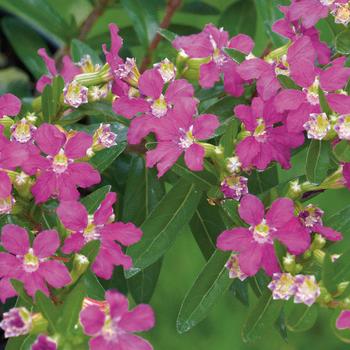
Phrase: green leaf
pixel 23 296
pixel 91 250
pixel 287 82
pixel 80 49
pixel 240 17
pixel 26 42
pixel 211 283
pixel 323 102
pixel 94 199
pixel 163 225
pixel 167 34
pixel 143 19
pixel 199 8
pixel 227 139
pixel 237 56
pixel 240 290
pixel 47 308
pixel 260 182
pixel 71 308
pixel 261 317
pixel 50 99
pixel 206 224
pixel 103 159
pixel 342 42
pixel 41 15
pixel 317 161
pixel 202 179
pixel 94 288
pixel 342 151
pixel 300 317
pixel 15 343
pixel 142 193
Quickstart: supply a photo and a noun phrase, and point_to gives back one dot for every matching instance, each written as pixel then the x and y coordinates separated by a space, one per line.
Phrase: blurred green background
pixel 21 36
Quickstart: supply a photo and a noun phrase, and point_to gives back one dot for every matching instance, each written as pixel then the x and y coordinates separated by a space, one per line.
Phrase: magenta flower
pixel 179 133
pixel 266 142
pixel 99 226
pixel 17 321
pixel 311 218
pixel 255 244
pixel 210 43
pixel 153 104
pixel 10 105
pixel 6 199
pixel 34 265
pixel 346 174
pixel 114 328
pixel 343 320
pixel 294 29
pixel 301 104
pixel 44 342
pixel 60 171
pixel 68 71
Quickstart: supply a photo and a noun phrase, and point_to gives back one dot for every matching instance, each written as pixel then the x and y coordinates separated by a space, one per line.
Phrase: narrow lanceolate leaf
pixel 26 42
pixel 69 316
pixel 94 199
pixel 317 161
pixel 41 15
pixel 143 192
pixel 212 282
pixel 342 151
pixel 227 139
pixel 202 179
pixel 261 317
pixel 163 225
pixel 91 250
pixel 48 309
pixel 342 42
pixel 103 159
pixel 206 224
pixel 300 317
pixel 240 17
pixel 50 99
pixel 167 34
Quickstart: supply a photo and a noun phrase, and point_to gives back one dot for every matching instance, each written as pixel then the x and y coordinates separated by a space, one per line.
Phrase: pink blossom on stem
pixel 179 133
pixel 99 226
pixel 255 244
pixel 33 265
pixel 343 320
pixel 44 342
pixel 60 171
pixel 114 328
pixel 10 105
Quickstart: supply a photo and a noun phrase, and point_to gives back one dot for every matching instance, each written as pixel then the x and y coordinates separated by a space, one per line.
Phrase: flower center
pixel 187 139
pixel 327 2
pixel 75 94
pixel 110 329
pixel 260 131
pixel 60 162
pixel 159 107
pixel 262 233
pixel 91 232
pixel 318 126
pixel 167 70
pixel 312 93
pixel 30 261
pixel 22 131
pixel 282 66
pixel 342 127
pixel 129 72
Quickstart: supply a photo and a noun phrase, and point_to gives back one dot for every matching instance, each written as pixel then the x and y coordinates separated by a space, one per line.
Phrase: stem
pixel 170 10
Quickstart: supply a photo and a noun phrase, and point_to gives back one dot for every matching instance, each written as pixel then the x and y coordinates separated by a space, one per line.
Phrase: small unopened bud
pixel 103 138
pixel 6 121
pixel 289 263
pixel 295 190
pixel 233 164
pixel 318 243
pixel 128 72
pixel 80 264
pixel 97 93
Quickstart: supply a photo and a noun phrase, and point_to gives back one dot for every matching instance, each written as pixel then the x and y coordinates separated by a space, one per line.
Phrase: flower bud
pixel 289 263
pixel 44 342
pixel 282 286
pixel 166 69
pixel 22 131
pixel 307 289
pixel 17 321
pixel 317 126
pixel 342 127
pixel 235 271
pixel 75 94
pixel 80 264
pixel 103 138
pixel 233 165
pixel 341 14
pixel 129 72
pixel 234 187
pixel 7 204
pixel 97 93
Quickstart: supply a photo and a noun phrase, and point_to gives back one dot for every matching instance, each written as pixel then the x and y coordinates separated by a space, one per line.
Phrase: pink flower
pixel 179 133
pixel 6 199
pixel 152 104
pixel 311 218
pixel 61 172
pixel 17 321
pixel 99 226
pixel 294 29
pixel 301 104
pixel 210 43
pixel 114 328
pixel 266 142
pixel 68 71
pixel 10 105
pixel 33 265
pixel 343 320
pixel 346 174
pixel 255 244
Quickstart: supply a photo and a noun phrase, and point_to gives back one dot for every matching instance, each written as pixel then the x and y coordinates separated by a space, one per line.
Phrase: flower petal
pixel 194 157
pixel 73 215
pixel 140 319
pixel 343 321
pixel 5 185
pixel 280 213
pixel 46 243
pixel 209 74
pixel 55 273
pixel 238 239
pixel 77 145
pixel 9 105
pixel 151 83
pixel 105 210
pixel 49 139
pixel 126 234
pixel 15 239
pixel 204 126
pixel 251 210
pixel 250 260
pixel 92 319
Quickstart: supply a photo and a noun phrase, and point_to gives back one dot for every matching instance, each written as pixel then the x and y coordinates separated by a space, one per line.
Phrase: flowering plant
pixel 111 160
